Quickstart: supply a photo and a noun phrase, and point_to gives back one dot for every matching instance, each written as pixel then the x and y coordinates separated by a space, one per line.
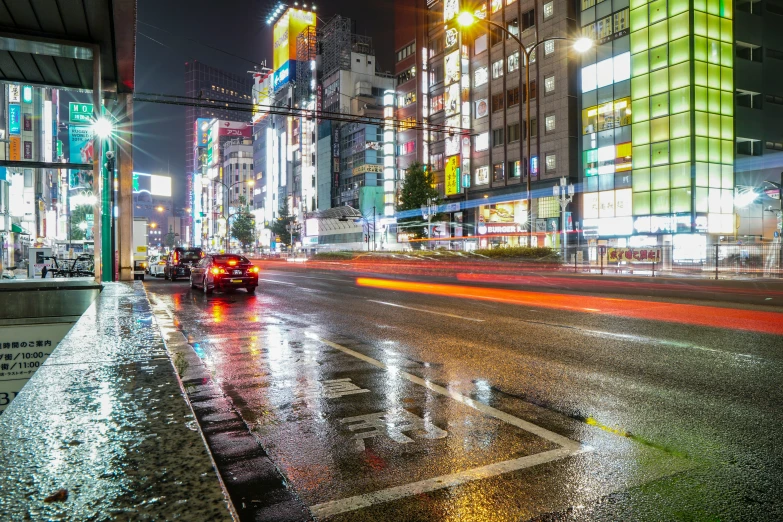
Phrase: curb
pixel 255 488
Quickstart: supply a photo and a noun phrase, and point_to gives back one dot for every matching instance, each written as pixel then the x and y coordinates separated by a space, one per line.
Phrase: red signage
pixel 235 128
pixel 650 255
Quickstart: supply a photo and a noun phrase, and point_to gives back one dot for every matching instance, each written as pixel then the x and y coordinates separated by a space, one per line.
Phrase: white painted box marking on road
pixel 568 448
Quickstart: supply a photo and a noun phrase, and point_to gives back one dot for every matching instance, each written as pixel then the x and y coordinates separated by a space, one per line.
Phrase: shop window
pixel 590 162
pixel 497 69
pixel 528 19
pixel 480 76
pixel 480 45
pixel 512 26
pixel 497 102
pixel 498 172
pixel 512 97
pixel 513 62
pixel 436 103
pixel 549 10
pixel 513 132
pixel 482 142
pixel 549 84
pixel 498 137
pixel 482 175
pixel 551 162
pixel 514 168
pixel 549 123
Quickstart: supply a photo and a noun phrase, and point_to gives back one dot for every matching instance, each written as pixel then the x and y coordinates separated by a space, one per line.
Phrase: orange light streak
pixel 710 316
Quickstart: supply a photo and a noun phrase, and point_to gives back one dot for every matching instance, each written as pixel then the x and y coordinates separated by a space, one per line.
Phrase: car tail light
pixel 215 271
pixel 176 258
pixel 232 263
pixel 255 269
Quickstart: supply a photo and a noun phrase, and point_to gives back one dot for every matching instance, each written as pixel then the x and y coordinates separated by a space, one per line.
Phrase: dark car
pixel 180 261
pixel 224 271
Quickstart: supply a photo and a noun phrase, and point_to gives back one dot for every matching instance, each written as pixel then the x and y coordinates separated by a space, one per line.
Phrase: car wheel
pixel 207 290
pixel 251 289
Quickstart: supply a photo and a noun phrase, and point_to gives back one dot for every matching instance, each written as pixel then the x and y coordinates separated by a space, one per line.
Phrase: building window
pixel 482 142
pixel 549 10
pixel 497 137
pixel 513 132
pixel 480 76
pixel 514 169
pixel 549 123
pixel 551 162
pixel 772 53
pixel 498 172
pixel 513 27
pixel 497 102
pixel 587 4
pixel 549 47
pixel 533 90
pixel 495 36
pixel 409 147
pixel 513 62
pixel 437 162
pixel 480 45
pixel 533 127
pixel 512 97
pixel 528 19
pixel 436 103
pixel 748 51
pixel 549 84
pixel 497 69
pixel 482 175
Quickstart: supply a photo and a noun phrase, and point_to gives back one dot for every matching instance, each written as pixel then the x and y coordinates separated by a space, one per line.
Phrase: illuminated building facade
pixel 657 121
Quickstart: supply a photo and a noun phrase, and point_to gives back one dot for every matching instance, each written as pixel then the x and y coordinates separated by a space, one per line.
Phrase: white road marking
pixel 568 448
pixel 278 282
pixel 428 311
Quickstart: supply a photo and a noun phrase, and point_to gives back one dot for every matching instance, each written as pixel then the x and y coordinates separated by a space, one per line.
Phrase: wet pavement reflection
pixel 374 412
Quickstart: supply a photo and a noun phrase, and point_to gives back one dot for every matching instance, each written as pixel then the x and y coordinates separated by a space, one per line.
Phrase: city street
pixel 381 399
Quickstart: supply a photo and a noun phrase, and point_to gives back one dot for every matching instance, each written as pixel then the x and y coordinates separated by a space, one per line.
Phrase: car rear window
pixel 224 259
pixel 190 255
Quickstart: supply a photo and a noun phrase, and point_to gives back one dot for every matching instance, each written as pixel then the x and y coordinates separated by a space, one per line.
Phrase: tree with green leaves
pixel 283 225
pixel 79 216
pixel 418 186
pixel 243 228
pixel 171 239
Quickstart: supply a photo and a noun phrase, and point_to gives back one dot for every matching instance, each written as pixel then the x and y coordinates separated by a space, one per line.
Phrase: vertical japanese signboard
pixel 452 176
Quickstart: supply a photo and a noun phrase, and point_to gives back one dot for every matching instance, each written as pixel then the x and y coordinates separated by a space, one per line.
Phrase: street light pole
pixel 249 182
pixel 428 212
pixel 564 195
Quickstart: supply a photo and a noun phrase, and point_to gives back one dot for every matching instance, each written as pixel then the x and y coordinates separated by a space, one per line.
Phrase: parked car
pixel 224 271
pixel 156 265
pixel 180 261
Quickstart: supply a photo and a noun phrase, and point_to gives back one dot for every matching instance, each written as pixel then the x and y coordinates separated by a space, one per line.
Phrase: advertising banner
pixel 647 255
pixel 80 151
pixel 28 150
pixel 27 118
pixel 452 175
pixel 14 116
pixel 14 93
pixel 285 32
pixel 201 131
pixel 15 148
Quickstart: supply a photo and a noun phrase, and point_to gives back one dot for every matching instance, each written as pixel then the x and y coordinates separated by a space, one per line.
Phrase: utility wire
pixel 197 42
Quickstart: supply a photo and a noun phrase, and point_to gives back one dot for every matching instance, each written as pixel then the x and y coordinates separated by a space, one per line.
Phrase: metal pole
pixel 125 174
pixel 529 165
pixel 716 260
pixel 373 228
pixel 97 157
pixel 601 256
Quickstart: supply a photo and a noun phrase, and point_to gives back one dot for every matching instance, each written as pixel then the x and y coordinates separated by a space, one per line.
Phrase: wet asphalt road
pixel 378 404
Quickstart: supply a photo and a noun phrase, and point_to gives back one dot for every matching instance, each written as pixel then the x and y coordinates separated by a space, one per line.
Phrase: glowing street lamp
pixel 580 45
pixel 102 127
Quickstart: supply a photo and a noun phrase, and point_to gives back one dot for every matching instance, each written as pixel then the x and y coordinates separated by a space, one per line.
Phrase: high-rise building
pixel 209 83
pixel 758 73
pixel 475 81
pixel 410 35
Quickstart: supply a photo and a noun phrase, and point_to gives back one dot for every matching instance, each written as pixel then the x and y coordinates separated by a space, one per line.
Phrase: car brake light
pixel 215 271
pixel 255 269
pixel 232 262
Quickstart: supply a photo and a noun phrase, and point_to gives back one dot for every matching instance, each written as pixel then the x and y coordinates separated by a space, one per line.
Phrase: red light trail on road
pixel 697 315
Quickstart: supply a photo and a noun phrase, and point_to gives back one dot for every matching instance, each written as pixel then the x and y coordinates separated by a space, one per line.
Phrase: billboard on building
pixel 80 151
pixel 201 131
pixel 154 184
pixel 286 30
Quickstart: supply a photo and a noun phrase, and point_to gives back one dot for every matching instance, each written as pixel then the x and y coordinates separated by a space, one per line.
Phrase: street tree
pixel 419 185
pixel 78 221
pixel 283 226
pixel 243 229
pixel 171 239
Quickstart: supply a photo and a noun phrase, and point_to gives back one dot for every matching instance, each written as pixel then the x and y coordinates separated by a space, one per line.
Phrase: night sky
pixel 185 30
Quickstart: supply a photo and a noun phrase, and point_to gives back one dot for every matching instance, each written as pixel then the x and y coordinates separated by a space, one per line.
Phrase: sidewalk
pixel 105 419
